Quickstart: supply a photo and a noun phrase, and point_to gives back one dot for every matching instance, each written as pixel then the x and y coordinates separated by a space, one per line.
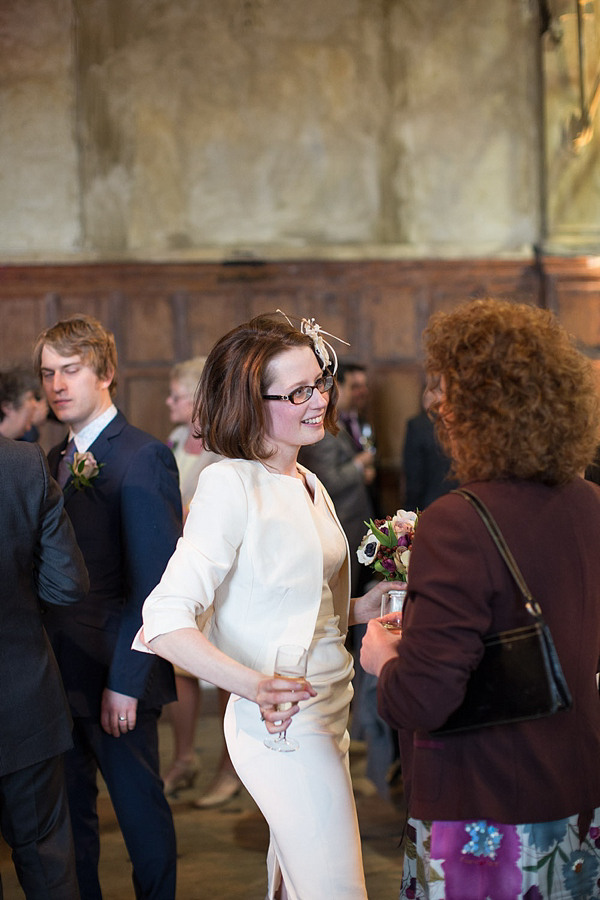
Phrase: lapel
pixel 100 449
pixel 103 443
pixel 348 444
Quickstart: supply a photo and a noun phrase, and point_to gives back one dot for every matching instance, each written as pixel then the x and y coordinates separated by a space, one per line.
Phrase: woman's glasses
pixel 304 393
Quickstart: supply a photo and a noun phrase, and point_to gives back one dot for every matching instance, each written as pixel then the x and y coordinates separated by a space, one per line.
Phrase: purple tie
pixel 64 473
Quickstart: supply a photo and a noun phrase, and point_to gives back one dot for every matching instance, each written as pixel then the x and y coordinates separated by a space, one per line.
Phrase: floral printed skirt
pixel 488 861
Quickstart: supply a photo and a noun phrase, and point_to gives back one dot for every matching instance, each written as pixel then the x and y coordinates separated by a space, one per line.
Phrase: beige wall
pixel 197 129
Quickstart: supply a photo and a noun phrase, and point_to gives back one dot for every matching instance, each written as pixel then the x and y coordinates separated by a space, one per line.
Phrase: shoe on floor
pixel 226 786
pixel 181 775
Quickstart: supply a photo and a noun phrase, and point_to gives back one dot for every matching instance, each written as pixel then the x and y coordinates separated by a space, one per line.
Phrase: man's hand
pixel 119 712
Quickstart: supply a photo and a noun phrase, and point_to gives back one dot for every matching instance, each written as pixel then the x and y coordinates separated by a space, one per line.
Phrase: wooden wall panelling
pixel 148 329
pixel 572 292
pixel 146 394
pixel 22 320
pixel 164 313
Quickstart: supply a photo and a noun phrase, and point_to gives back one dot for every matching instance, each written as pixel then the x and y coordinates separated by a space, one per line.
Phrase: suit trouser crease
pixel 34 820
pixel 129 765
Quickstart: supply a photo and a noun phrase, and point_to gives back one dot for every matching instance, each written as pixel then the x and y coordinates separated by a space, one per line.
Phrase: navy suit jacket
pixel 426 466
pixel 127 523
pixel 39 561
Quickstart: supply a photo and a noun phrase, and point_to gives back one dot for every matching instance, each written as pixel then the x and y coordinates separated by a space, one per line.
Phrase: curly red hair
pixel 520 400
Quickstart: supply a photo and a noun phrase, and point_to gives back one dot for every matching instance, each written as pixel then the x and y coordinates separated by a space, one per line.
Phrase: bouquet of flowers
pixel 386 545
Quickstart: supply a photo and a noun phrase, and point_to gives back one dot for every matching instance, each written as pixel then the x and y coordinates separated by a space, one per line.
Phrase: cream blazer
pixel 251 552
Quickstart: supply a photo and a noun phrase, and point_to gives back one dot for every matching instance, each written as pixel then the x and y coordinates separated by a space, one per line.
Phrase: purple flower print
pixel 411 891
pixel 478 862
pixel 533 893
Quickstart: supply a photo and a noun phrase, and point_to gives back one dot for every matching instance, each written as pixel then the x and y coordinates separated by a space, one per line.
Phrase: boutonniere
pixel 84 469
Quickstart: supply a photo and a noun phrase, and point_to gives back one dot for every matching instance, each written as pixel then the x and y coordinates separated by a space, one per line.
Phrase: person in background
pixel 40 413
pixel 17 401
pixel 345 463
pixel 425 465
pixel 40 563
pixel 125 507
pixel 511 810
pixel 191 457
pixel 345 467
pixel 190 453
pixel 263 547
pixel 592 472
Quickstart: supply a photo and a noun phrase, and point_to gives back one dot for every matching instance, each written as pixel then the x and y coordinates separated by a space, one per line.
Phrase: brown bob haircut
pixel 85 337
pixel 229 412
pixel 520 400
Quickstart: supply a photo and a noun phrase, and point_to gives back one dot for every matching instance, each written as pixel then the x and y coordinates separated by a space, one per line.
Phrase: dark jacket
pixel 460 590
pixel 127 523
pixel 39 561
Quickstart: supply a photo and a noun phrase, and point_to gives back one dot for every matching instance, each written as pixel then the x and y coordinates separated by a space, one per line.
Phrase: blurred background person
pixel 188 450
pixel 510 810
pixel 346 464
pixel 592 472
pixel 191 457
pixel 425 465
pixel 41 412
pixel 353 409
pixel 345 467
pixel 17 401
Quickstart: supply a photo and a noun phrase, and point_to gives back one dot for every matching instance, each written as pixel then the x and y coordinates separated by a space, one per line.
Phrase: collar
pixel 86 437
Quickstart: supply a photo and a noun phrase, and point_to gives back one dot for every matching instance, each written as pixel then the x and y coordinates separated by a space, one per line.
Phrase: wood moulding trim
pixel 177 279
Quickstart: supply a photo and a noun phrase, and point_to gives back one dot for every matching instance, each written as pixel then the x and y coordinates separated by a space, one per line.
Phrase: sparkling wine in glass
pixel 391 607
pixel 290 663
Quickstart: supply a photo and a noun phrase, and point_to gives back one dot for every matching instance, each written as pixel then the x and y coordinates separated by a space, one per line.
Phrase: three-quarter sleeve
pixel 204 556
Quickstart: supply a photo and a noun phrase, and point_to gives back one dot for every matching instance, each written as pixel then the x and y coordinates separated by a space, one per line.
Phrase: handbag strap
pixel 490 523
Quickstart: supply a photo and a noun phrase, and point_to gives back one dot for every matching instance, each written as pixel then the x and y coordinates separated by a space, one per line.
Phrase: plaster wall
pixel 39 182
pixel 192 129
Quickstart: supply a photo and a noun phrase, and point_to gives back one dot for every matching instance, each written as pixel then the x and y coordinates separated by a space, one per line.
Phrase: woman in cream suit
pixel 262 544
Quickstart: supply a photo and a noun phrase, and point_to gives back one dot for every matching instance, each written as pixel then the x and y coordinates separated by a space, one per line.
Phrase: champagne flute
pixel 391 607
pixel 290 663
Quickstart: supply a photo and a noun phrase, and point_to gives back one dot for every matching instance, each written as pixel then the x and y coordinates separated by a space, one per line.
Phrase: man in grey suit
pixel 40 562
pixel 347 470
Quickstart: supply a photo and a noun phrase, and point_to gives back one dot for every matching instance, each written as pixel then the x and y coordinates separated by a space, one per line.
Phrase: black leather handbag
pixel 519 676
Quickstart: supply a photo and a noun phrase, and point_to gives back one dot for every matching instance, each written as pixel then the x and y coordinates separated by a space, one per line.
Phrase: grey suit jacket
pixel 332 462
pixel 39 562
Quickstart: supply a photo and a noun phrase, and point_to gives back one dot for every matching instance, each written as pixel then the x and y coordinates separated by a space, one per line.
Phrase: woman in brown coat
pixel 510 811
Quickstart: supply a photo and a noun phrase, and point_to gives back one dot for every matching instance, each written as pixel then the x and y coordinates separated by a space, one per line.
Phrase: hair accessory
pixel 320 345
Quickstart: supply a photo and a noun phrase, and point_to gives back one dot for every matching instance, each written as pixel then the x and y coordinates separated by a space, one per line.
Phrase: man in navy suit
pixel 122 496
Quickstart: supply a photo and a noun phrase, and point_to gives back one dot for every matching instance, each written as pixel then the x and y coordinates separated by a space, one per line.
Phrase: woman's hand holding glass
pixel 282 693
